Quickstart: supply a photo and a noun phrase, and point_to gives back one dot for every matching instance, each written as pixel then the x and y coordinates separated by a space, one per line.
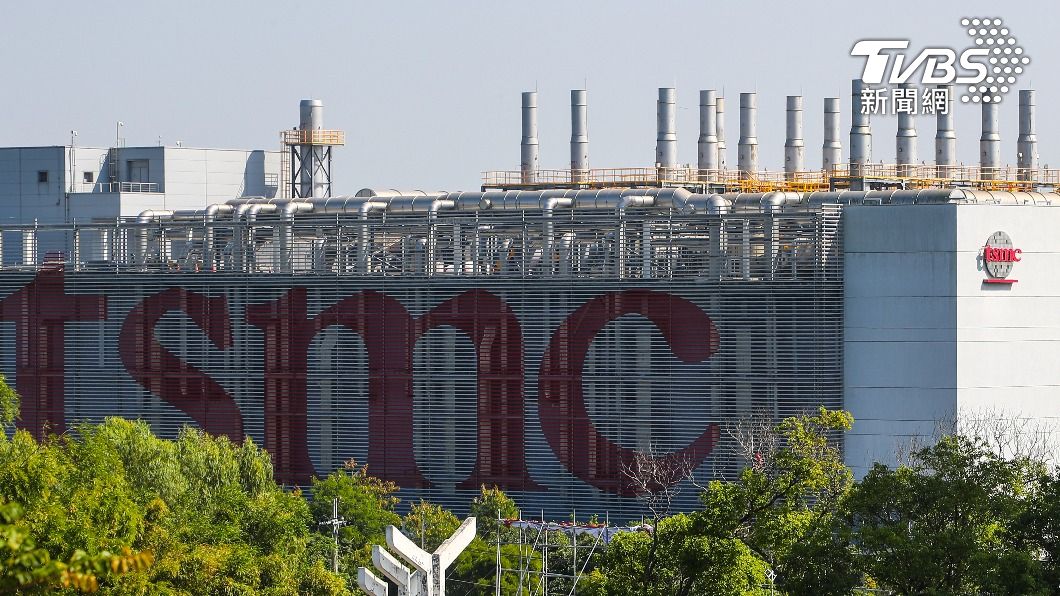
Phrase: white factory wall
pixel 22 198
pixel 198 177
pixel 926 342
pixel 899 332
pixel 178 178
pixel 1008 336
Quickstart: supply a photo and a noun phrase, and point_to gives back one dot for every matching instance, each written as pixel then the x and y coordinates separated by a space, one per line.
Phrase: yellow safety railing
pixel 313 137
pixel 905 175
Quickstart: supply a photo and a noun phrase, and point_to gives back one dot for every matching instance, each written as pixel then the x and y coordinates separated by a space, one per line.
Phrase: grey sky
pixel 428 92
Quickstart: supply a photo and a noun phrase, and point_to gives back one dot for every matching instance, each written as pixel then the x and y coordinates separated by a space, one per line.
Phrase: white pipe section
pixel 720 110
pixel 1027 143
pixel 794 146
pixel 905 139
pixel 528 155
pixel 666 139
pixel 747 155
pixel 832 149
pixel 579 135
pixel 708 130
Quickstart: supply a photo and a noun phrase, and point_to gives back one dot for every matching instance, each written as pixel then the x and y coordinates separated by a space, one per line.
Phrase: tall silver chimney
pixel 747 154
pixel 528 148
pixel 945 136
pixel 1027 144
pixel 794 146
pixel 990 142
pixel 708 130
pixel 666 140
pixel 905 140
pixel 579 135
pixel 860 133
pixel 720 110
pixel 832 149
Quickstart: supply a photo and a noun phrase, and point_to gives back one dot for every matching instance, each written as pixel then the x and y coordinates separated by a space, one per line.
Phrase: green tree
pixel 944 525
pixel 207 509
pixel 779 514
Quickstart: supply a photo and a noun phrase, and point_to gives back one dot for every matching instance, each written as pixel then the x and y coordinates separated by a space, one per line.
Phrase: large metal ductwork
pixel 579 135
pixel 708 130
pixel 905 139
pixel 1027 143
pixel 990 142
pixel 719 110
pixel 666 140
pixel 794 146
pixel 528 146
pixel 747 151
pixel 945 136
pixel 860 134
pixel 832 149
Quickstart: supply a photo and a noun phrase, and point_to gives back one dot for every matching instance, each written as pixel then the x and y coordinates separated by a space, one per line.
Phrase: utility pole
pixel 335 522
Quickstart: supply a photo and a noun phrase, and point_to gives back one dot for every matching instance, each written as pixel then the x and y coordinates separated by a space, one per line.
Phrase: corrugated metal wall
pixel 560 365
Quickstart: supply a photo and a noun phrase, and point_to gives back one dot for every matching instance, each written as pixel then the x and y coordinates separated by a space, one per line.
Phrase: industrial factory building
pixel 540 331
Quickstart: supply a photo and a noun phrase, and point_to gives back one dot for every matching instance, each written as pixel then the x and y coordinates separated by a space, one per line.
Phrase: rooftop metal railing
pixel 649 244
pixel 905 175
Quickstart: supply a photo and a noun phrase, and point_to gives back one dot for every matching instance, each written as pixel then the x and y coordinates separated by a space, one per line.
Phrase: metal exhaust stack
pixel 719 109
pixel 312 180
pixel 794 147
pixel 708 131
pixel 860 135
pixel 579 135
pixel 990 142
pixel 666 140
pixel 832 150
pixel 905 140
pixel 945 136
pixel 528 161
pixel 747 150
pixel 1027 143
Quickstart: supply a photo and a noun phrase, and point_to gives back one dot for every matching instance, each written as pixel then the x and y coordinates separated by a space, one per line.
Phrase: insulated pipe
pixel 747 156
pixel 905 139
pixel 990 142
pixel 708 131
pixel 666 139
pixel 213 212
pixel 528 154
pixel 284 235
pixel 794 147
pixel 860 133
pixel 929 196
pixel 579 135
pixel 393 192
pixel 720 111
pixel 251 215
pixel 1027 143
pixel 945 136
pixel 548 207
pixel 832 150
pixel 143 233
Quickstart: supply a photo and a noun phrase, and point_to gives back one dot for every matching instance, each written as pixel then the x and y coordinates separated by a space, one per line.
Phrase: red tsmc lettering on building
pixel 993 254
pixel 999 255
pixel 41 309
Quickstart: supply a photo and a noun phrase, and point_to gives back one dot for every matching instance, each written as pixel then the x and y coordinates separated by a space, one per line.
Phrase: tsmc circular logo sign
pixel 999 255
